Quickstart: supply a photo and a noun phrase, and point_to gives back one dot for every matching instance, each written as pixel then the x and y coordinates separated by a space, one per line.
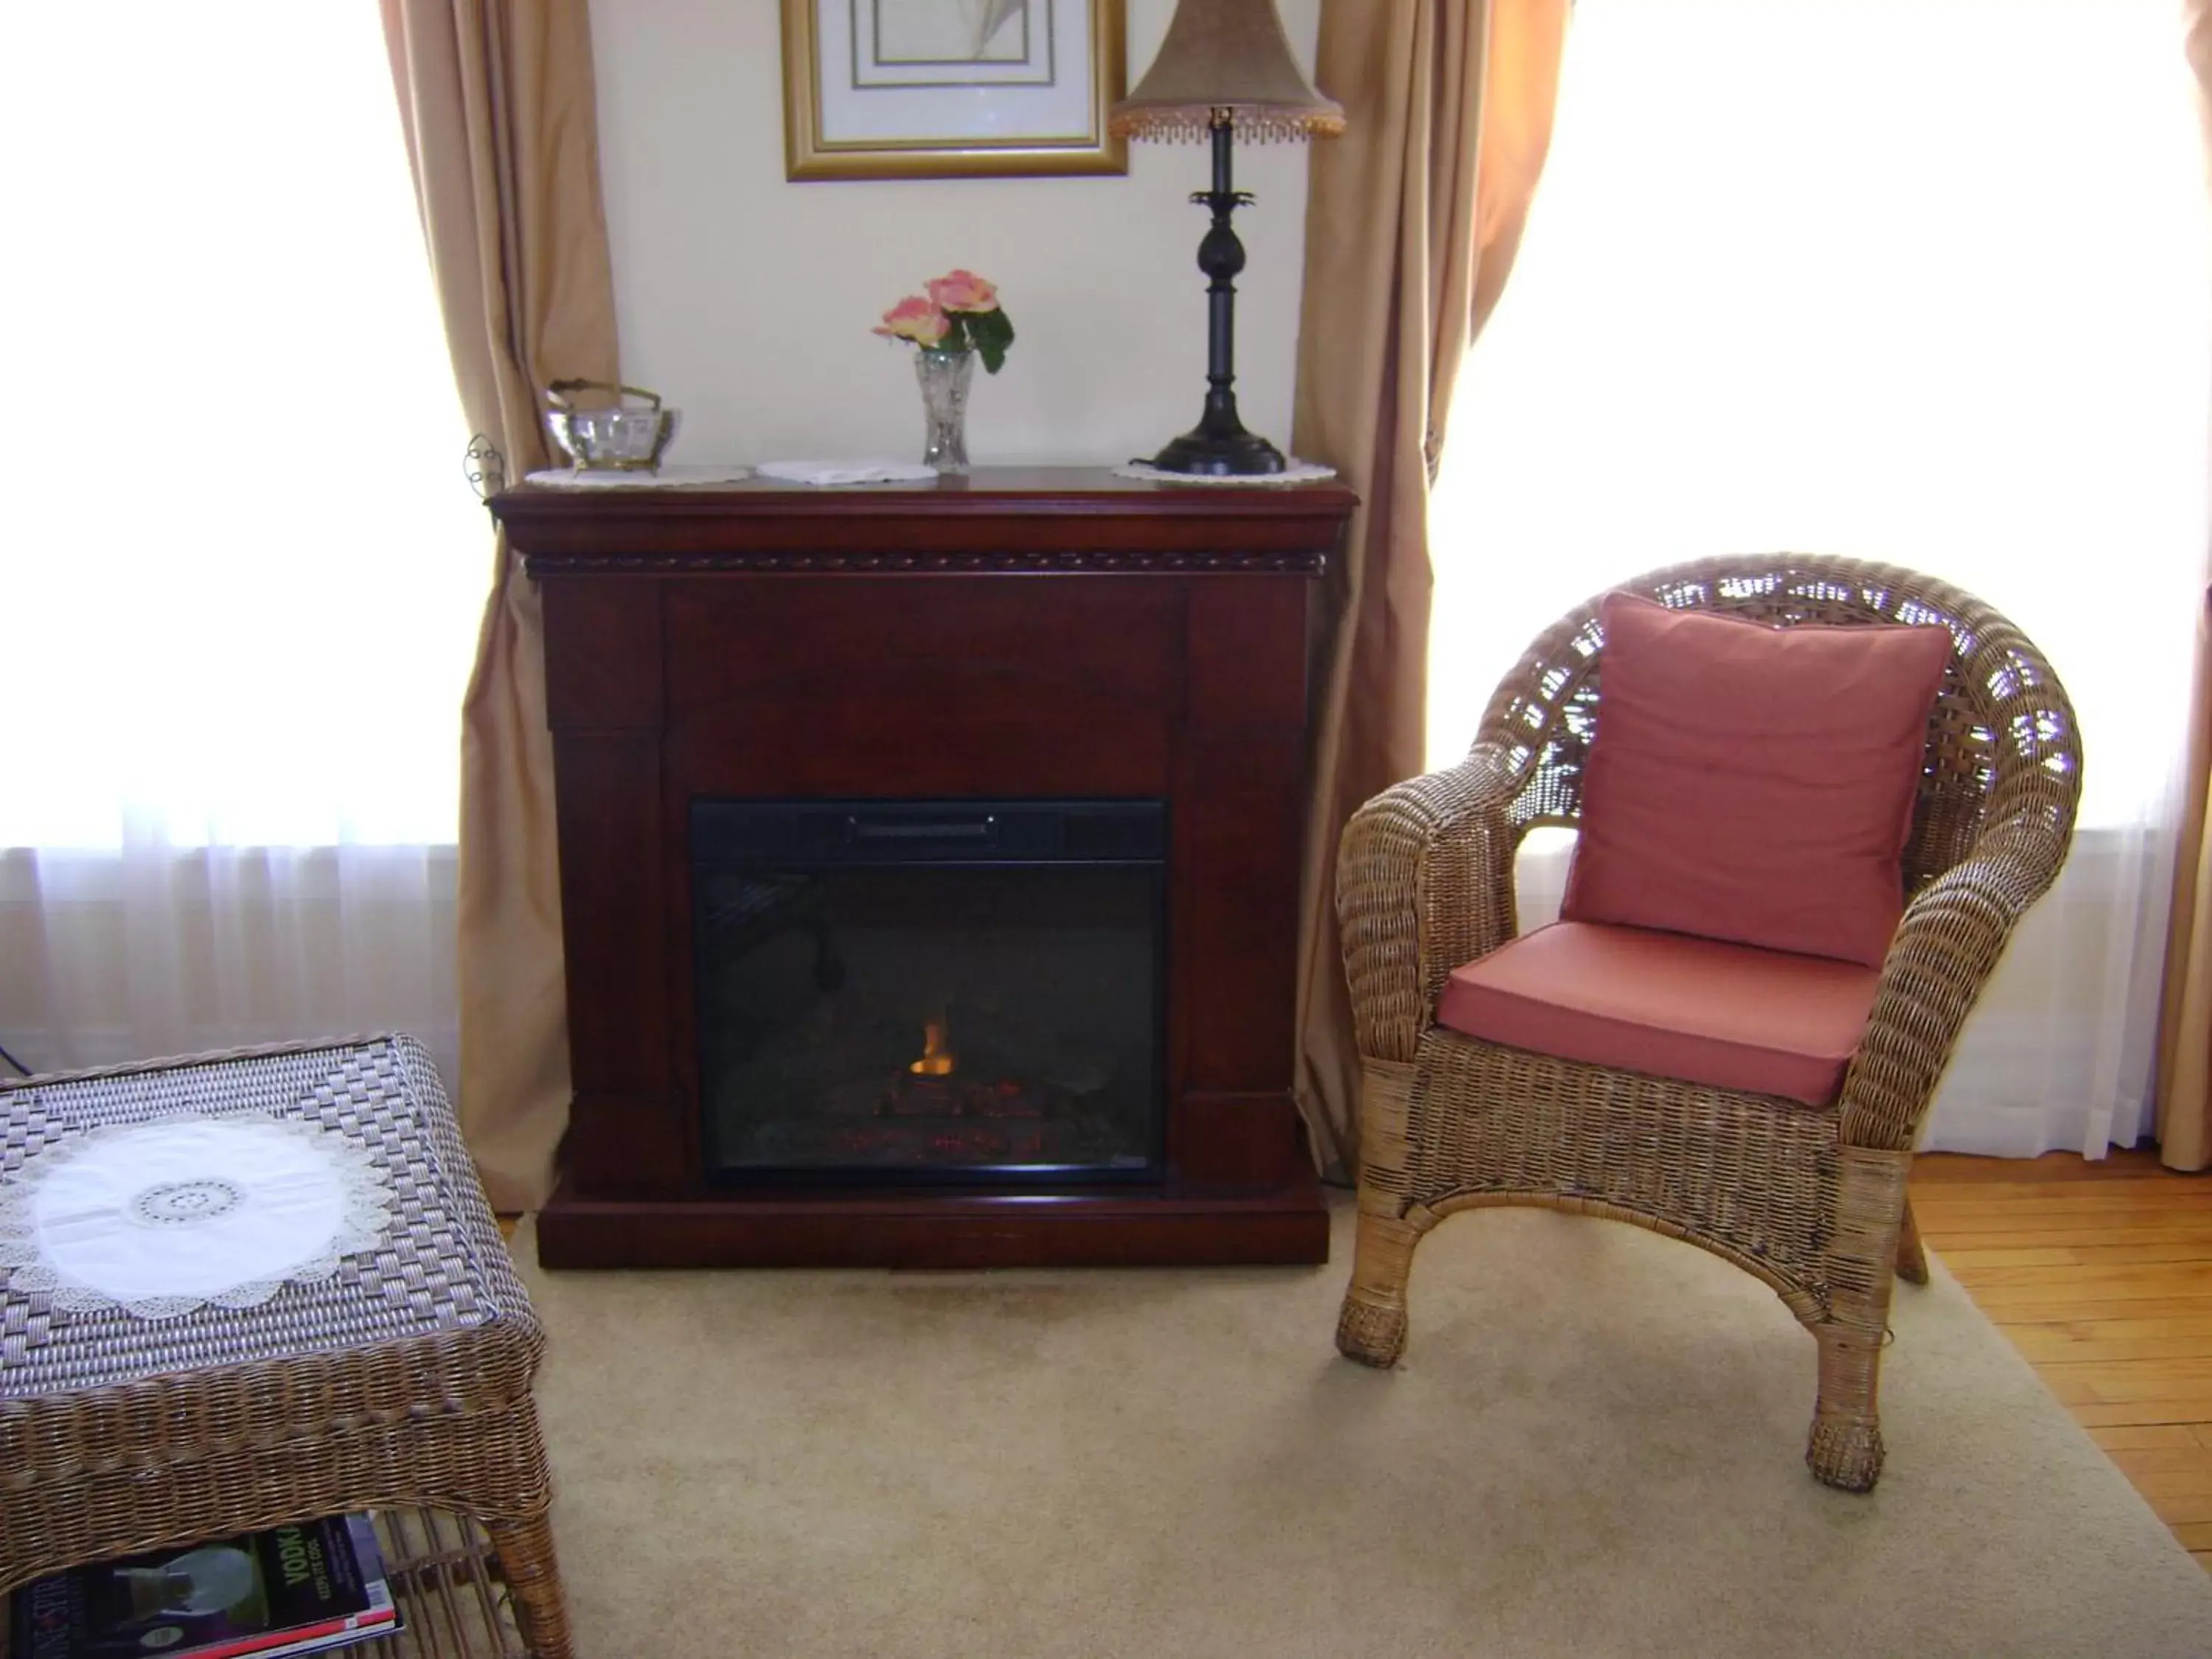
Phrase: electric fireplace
pixel 960 991
pixel 929 867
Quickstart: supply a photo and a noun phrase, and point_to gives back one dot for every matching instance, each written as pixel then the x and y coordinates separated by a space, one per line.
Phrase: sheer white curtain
pixel 240 567
pixel 1924 281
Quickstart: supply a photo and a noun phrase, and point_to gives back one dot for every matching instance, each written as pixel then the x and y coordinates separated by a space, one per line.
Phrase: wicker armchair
pixel 1812 1202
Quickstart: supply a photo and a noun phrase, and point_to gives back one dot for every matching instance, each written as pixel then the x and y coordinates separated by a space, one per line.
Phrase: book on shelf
pixel 275 1594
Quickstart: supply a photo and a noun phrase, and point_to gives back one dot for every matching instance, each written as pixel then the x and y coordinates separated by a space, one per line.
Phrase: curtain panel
pixel 1413 218
pixel 2185 1050
pixel 497 99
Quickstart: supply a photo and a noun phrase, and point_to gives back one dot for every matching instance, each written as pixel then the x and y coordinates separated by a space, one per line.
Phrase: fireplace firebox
pixel 930 991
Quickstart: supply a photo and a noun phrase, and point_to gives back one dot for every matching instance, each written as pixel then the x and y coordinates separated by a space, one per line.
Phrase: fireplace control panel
pixel 873 832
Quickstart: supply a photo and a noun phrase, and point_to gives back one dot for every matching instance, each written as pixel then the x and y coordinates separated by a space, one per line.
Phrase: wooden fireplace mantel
pixel 1019 633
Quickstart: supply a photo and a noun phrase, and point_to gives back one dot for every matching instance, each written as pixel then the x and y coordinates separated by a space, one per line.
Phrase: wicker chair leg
pixel 1911 1257
pixel 1845 1449
pixel 526 1561
pixel 1371 1328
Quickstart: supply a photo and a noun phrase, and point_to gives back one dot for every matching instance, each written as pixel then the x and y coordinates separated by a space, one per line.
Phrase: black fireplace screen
pixel 916 990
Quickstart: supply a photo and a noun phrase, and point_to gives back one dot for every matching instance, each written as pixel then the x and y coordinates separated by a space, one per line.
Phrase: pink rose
pixel 963 290
pixel 916 318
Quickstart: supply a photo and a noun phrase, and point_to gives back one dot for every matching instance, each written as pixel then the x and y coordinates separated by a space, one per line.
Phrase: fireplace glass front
pixel 916 991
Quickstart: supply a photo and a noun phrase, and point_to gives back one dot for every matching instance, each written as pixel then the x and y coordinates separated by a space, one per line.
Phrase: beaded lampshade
pixel 1225 72
pixel 1226 58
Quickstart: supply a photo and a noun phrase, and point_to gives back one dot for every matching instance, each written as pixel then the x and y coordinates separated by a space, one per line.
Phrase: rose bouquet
pixel 959 313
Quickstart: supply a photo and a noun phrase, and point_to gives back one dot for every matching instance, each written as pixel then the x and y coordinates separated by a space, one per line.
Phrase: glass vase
pixel 945 376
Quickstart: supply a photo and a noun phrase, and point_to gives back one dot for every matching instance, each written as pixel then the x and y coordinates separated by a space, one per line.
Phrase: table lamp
pixel 1225 72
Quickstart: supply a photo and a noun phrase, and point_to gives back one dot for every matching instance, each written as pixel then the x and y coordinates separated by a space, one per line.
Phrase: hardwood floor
pixel 2101 1274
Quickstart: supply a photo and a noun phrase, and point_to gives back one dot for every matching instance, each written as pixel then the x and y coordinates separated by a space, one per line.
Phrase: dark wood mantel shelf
pixel 1019 633
pixel 1001 520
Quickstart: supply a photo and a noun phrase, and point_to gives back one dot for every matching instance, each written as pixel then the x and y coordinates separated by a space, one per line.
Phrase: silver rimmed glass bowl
pixel 612 437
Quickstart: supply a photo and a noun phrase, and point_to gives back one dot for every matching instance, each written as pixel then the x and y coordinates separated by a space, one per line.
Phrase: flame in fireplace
pixel 937 1059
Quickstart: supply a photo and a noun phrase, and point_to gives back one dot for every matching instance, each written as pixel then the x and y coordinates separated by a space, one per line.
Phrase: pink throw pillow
pixel 1753 783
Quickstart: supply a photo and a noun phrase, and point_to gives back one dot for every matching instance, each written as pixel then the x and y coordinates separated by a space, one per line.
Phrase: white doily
pixel 1295 472
pixel 162 1218
pixel 671 476
pixel 831 473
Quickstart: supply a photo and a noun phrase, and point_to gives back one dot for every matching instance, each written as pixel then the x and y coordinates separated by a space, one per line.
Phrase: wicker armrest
pixel 1423 883
pixel 1946 948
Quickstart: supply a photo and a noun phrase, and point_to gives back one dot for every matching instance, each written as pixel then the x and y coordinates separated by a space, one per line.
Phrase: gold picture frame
pixel 1068 58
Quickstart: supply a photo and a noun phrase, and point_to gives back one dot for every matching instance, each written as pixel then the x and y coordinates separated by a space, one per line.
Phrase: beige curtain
pixel 1413 219
pixel 2184 1048
pixel 496 97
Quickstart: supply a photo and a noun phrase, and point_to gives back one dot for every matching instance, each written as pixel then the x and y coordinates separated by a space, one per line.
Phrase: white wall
pixel 746 300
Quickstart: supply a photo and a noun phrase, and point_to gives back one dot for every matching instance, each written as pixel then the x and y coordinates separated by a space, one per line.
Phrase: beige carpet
pixel 1593 1448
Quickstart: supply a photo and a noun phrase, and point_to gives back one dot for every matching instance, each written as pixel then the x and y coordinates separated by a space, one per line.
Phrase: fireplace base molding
pixel 1016 635
pixel 1147 1227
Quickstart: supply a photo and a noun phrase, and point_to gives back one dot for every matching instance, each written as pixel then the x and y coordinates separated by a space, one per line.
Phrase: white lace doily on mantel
pixel 1297 472
pixel 671 476
pixel 159 1218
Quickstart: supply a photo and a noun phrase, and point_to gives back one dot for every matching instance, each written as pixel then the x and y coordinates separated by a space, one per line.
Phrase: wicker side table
pixel 396 1376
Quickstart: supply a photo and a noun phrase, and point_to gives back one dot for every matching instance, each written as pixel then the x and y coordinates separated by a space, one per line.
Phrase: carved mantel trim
pixel 1094 561
pixel 996 521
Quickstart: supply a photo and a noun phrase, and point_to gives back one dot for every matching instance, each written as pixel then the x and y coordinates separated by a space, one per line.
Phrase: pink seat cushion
pixel 1728 1016
pixel 1753 783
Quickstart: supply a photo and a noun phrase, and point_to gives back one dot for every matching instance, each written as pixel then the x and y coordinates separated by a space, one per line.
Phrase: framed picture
pixel 950 88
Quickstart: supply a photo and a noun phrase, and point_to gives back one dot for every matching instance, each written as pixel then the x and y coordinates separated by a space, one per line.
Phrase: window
pixel 1921 281
pixel 240 567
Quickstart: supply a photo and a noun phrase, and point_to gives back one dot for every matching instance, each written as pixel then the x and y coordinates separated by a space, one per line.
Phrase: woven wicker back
pixel 2002 745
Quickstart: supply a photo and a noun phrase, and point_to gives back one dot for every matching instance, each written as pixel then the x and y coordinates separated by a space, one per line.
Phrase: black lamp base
pixel 1238 454
pixel 1220 446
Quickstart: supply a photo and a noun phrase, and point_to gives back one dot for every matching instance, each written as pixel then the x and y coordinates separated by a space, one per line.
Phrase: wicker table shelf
pixel 392 1374
pixel 446 1578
